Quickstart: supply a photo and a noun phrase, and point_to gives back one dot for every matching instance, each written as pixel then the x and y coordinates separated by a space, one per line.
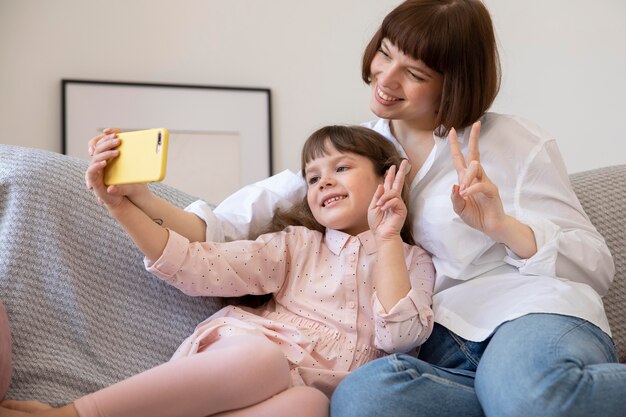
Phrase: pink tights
pixel 238 376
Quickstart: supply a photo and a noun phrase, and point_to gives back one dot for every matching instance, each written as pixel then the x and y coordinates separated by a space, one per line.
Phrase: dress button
pixel 352 258
pixel 351 304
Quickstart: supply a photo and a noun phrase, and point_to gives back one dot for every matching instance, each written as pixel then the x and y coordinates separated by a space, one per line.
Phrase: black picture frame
pixel 230 126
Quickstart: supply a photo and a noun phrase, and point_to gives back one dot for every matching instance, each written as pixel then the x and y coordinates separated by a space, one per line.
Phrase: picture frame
pixel 220 136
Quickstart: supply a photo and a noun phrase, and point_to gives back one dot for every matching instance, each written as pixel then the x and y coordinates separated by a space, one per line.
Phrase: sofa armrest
pixel 5 352
pixel 602 193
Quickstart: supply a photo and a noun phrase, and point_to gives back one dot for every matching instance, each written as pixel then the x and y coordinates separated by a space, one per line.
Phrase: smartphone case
pixel 142 158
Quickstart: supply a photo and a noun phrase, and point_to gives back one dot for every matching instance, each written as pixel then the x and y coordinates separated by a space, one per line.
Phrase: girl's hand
pixel 101 153
pixel 93 143
pixel 387 212
pixel 102 150
pixel 475 199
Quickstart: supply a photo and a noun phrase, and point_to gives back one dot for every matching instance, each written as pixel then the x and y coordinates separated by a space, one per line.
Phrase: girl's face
pixel 404 88
pixel 340 187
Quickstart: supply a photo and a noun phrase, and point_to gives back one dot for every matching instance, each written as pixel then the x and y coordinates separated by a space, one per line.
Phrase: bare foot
pixel 27 406
pixel 8 412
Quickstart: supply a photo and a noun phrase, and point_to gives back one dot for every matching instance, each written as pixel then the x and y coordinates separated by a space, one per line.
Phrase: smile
pixel 333 199
pixel 384 96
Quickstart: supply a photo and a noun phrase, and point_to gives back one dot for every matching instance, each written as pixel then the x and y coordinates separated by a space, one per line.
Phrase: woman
pixel 520 327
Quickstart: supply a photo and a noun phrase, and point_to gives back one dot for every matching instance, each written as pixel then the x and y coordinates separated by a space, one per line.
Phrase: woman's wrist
pixel 502 231
pixel 517 236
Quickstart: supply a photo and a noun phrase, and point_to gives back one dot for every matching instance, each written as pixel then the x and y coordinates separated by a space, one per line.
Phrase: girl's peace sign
pixel 387 211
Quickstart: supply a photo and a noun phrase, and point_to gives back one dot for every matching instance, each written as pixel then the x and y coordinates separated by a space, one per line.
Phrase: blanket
pixel 84 311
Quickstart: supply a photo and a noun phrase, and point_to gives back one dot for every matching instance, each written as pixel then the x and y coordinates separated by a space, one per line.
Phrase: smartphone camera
pixel 159 142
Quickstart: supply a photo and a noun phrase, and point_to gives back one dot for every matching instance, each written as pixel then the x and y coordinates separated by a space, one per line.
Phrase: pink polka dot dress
pixel 324 314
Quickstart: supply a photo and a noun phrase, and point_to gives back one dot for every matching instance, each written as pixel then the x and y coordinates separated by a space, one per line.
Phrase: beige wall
pixel 564 62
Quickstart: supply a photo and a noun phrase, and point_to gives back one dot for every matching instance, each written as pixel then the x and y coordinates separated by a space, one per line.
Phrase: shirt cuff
pixel 214 230
pixel 172 258
pixel 543 262
pixel 415 303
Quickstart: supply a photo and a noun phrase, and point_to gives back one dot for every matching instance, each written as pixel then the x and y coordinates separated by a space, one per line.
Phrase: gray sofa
pixel 84 312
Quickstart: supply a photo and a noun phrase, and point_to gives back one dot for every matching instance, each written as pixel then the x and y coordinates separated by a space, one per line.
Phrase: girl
pixel 342 294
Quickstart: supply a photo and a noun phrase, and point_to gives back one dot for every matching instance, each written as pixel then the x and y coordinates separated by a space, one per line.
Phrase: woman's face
pixel 404 88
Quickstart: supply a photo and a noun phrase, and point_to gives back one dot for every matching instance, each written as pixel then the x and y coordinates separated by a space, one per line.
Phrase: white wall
pixel 564 62
pixel 564 65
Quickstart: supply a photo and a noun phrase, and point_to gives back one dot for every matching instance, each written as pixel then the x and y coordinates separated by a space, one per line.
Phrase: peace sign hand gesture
pixel 387 211
pixel 475 199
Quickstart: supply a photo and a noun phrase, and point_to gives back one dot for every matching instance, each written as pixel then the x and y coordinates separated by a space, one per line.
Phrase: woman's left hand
pixel 387 211
pixel 475 198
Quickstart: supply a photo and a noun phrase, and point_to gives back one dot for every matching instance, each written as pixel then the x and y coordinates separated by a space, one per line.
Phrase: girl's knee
pixel 256 356
pixel 265 357
pixel 310 402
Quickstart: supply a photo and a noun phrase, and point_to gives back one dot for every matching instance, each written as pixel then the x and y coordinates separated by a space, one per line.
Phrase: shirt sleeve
pixel 246 213
pixel 228 269
pixel 410 322
pixel 568 245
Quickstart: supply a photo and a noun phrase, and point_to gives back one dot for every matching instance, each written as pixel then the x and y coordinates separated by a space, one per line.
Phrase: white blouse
pixel 479 283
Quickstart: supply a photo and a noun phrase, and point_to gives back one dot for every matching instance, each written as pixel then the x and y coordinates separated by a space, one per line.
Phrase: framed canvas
pixel 220 137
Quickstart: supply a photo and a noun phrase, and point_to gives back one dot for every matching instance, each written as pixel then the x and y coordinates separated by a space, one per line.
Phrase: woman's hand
pixel 102 150
pixel 475 199
pixel 387 212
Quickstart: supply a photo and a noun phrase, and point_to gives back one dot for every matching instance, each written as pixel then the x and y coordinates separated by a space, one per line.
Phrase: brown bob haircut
pixel 346 139
pixel 456 39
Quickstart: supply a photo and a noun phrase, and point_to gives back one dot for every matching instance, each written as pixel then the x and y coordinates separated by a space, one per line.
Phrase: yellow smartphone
pixel 142 158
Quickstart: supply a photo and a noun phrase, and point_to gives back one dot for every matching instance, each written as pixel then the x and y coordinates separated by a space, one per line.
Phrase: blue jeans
pixel 537 365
